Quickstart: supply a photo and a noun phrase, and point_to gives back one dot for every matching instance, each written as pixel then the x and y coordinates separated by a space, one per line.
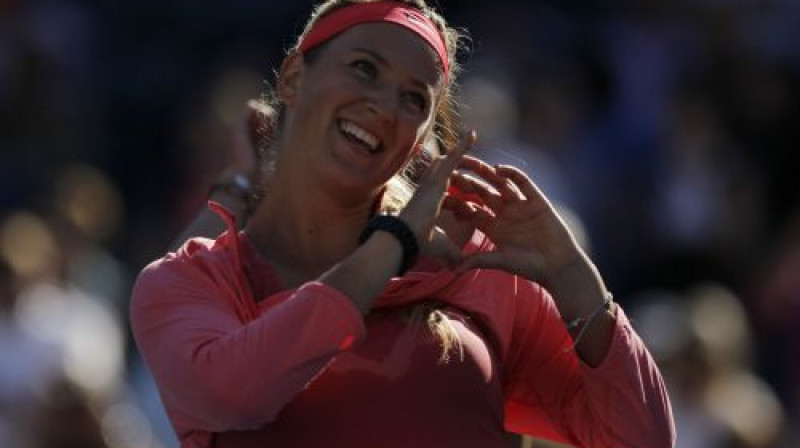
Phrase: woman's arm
pixel 216 372
pixel 236 185
pixel 621 402
pixel 534 242
pixel 611 393
pixel 229 191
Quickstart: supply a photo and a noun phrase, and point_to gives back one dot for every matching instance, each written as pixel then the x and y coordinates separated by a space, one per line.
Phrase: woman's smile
pixel 364 104
pixel 370 142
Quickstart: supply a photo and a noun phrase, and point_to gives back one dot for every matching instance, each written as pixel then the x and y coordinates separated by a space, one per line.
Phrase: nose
pixel 384 103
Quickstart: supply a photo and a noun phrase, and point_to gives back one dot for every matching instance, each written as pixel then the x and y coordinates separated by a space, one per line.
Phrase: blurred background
pixel 666 130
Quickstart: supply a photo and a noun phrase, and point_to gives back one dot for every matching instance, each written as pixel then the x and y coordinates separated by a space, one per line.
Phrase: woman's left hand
pixel 531 238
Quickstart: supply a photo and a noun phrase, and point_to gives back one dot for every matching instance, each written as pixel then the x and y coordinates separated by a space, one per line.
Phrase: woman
pixel 304 328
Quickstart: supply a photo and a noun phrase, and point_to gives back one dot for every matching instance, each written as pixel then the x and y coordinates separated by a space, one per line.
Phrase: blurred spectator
pixel 57 312
pixel 29 365
pixel 64 420
pixel 705 346
pixel 90 211
pixel 776 303
pixel 61 379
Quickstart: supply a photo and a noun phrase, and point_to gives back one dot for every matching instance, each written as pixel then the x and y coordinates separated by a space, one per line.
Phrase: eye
pixel 417 100
pixel 365 67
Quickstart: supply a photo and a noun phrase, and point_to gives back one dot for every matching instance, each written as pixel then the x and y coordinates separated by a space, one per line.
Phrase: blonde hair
pixel 400 188
pixel 440 325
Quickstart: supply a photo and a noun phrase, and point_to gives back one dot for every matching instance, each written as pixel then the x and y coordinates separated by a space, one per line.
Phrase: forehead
pixel 402 49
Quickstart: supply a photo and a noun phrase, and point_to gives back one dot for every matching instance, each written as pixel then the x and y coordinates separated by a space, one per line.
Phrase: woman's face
pixel 356 113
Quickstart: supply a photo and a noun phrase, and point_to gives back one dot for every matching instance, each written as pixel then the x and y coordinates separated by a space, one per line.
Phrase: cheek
pixel 410 141
pixel 425 128
pixel 417 129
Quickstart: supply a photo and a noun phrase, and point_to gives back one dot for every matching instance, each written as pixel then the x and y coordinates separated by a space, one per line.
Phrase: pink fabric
pixel 342 19
pixel 224 361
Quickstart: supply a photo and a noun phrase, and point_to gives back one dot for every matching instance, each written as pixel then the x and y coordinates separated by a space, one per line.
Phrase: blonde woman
pixel 327 321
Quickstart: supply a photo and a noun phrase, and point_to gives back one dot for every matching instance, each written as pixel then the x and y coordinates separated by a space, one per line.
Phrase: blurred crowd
pixel 665 130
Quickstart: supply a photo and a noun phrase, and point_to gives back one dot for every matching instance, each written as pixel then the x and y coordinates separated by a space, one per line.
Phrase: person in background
pixel 350 307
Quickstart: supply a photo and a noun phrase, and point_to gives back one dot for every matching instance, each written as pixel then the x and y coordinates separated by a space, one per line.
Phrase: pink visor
pixel 344 18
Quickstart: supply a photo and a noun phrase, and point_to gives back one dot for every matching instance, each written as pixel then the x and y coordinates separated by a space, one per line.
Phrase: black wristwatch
pixel 239 186
pixel 400 230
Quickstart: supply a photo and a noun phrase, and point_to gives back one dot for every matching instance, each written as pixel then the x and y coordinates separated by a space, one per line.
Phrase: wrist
pixel 400 231
pixel 232 203
pixel 577 288
pixel 235 190
pixel 560 263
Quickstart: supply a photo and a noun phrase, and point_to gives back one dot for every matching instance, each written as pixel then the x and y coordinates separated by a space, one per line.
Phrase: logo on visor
pixel 412 17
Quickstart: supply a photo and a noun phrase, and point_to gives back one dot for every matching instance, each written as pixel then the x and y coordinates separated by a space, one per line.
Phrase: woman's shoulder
pixel 198 263
pixel 193 253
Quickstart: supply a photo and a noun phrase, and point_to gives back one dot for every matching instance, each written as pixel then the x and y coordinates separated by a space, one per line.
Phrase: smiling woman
pixel 365 102
pixel 303 328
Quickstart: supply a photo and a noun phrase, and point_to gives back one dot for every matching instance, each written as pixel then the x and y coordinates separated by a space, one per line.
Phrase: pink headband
pixel 381 11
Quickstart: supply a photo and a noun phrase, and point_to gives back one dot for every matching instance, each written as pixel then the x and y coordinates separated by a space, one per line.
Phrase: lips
pixel 361 136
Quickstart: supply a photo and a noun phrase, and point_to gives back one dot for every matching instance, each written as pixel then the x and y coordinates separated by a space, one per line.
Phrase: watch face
pixel 241 181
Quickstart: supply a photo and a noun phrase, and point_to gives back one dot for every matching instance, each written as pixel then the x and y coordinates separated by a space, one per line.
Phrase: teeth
pixel 355 131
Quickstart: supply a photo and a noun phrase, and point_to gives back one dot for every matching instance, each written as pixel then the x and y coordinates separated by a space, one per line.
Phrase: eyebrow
pixel 386 63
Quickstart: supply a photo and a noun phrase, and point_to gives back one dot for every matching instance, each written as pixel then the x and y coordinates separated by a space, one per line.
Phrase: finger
pixel 501 183
pixel 479 167
pixel 466 143
pixel 474 215
pixel 475 190
pixel 476 165
pixel 453 191
pixel 521 180
pixel 445 165
pixel 460 208
pixel 437 176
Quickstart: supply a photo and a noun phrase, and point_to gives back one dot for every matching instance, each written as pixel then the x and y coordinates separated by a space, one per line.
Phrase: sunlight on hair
pixel 442 326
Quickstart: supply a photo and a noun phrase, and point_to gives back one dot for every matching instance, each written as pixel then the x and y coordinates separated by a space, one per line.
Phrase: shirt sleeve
pixel 216 373
pixel 551 394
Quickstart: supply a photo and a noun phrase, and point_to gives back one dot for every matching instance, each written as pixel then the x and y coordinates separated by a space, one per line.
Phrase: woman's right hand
pixel 237 185
pixel 424 208
pixel 249 133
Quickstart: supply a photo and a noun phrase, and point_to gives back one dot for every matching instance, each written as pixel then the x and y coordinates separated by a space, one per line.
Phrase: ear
pixel 289 78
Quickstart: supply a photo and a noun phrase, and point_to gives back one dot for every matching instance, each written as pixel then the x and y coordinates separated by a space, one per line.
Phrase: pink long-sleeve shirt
pixel 242 362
